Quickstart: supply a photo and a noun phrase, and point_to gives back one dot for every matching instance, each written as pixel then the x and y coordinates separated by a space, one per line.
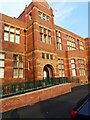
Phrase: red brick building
pixel 34 48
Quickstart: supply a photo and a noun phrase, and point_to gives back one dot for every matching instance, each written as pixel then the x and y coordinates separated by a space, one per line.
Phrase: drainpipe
pixel 25 52
pixel 33 52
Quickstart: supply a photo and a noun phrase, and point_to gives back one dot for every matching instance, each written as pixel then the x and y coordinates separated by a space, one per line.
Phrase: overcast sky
pixel 69 14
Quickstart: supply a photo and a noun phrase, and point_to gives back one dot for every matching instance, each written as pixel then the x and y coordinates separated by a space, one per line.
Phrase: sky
pixel 69 14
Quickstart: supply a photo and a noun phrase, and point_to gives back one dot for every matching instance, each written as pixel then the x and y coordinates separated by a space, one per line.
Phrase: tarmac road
pixel 58 107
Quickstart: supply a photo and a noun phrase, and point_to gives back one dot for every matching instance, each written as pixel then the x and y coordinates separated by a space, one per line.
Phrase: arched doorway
pixel 48 71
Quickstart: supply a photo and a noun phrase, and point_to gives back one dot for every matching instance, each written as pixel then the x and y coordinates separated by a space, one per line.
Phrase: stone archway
pixel 48 71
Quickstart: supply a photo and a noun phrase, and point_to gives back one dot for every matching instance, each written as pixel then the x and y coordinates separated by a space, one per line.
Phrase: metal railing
pixel 20 88
pixel 74 80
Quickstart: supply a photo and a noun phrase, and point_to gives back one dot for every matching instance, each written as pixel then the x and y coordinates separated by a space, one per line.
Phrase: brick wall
pixel 33 97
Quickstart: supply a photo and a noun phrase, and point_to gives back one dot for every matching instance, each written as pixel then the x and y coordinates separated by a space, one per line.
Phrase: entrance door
pixel 47 71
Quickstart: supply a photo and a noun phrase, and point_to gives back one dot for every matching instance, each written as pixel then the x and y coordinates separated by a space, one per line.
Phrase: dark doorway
pixel 47 71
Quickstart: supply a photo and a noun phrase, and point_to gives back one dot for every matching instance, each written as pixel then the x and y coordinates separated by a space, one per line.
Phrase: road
pixel 58 107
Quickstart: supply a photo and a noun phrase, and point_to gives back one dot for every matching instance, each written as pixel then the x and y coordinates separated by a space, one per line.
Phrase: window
pixel 49 37
pixel 12 29
pixel 61 67
pixel 20 61
pixel 48 20
pixel 47 56
pixel 81 64
pixel 1 72
pixel 6 28
pixel 17 39
pixel 15 74
pixel 81 45
pixel 73 67
pixel 40 15
pixel 70 43
pixel 73 72
pixel 28 64
pixel 15 61
pixel 49 33
pixel 1 65
pixel 17 31
pixel 6 36
pixel 45 35
pixel 11 37
pixel 43 55
pixel 18 66
pixel 45 38
pixel 51 57
pixel 21 73
pixel 49 40
pixel 58 41
pixel 41 37
pixel 30 16
pixel 43 16
pixel 41 30
pixel 11 34
pixel 44 31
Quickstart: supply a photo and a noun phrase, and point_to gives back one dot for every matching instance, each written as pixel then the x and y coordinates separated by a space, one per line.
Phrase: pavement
pixel 58 107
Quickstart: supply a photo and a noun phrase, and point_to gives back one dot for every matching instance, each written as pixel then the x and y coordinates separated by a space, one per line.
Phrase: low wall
pixel 14 102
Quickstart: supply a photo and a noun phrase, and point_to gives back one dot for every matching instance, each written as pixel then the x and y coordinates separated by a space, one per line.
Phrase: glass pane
pixel 17 39
pixel 59 34
pixel 49 32
pixel 21 73
pixel 20 64
pixel 1 63
pixel 1 73
pixel 40 15
pixel 41 30
pixel 73 72
pixel 47 56
pixel 1 56
pixel 44 31
pixel 6 36
pixel 73 65
pixel 15 74
pixel 17 31
pixel 11 29
pixel 49 40
pixel 15 64
pixel 51 57
pixel 58 60
pixel 44 16
pixel 11 37
pixel 45 38
pixel 15 57
pixel 60 46
pixel 6 28
pixel 40 37
pixel 43 55
pixel 48 20
pixel 72 61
